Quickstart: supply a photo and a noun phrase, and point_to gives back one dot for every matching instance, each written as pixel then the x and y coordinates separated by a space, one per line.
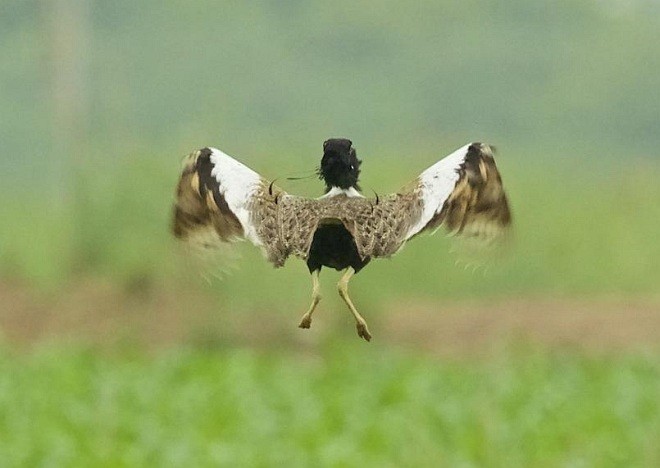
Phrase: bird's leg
pixel 342 286
pixel 306 320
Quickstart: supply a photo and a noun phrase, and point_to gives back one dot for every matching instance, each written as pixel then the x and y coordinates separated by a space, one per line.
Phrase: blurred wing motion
pixel 220 199
pixel 464 193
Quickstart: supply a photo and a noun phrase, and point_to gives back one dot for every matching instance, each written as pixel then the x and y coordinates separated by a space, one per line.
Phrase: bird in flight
pixel 218 199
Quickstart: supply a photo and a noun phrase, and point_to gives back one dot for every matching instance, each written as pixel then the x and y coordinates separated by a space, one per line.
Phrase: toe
pixel 363 331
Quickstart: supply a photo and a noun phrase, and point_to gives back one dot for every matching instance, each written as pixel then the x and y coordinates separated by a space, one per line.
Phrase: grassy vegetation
pixel 350 405
pixel 345 403
pixel 566 90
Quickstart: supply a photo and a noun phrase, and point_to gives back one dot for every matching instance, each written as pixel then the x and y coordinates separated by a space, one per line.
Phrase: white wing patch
pixel 221 200
pixel 436 184
pixel 237 184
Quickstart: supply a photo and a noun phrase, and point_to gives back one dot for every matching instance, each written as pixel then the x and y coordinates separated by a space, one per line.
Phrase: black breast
pixel 333 247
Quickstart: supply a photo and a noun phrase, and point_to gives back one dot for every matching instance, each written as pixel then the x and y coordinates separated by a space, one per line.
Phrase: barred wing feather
pixel 219 199
pixel 462 192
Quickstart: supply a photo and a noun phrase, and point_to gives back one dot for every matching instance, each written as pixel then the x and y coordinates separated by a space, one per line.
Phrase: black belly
pixel 334 247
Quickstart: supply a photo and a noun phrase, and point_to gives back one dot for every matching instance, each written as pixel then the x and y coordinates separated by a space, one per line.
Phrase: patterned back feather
pixel 221 200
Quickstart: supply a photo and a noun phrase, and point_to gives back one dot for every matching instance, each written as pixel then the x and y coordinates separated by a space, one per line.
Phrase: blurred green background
pixel 119 348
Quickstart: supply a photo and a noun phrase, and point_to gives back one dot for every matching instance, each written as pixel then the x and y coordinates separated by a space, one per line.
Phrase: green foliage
pixel 563 88
pixel 349 406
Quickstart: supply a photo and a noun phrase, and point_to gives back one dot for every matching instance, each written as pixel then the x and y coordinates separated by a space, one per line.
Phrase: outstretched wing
pixel 218 199
pixel 221 200
pixel 462 192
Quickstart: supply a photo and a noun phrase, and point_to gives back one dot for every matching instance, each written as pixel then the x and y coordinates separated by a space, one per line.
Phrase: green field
pixel 120 348
pixel 338 406
pixel 214 392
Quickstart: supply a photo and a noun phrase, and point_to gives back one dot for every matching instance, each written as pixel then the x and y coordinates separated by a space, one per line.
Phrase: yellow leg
pixel 306 320
pixel 360 322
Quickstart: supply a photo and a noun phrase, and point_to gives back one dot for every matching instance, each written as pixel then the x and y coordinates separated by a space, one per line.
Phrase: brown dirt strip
pixel 594 324
pixel 100 313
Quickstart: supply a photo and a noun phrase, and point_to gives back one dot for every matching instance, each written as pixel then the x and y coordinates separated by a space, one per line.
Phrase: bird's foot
pixel 363 331
pixel 306 321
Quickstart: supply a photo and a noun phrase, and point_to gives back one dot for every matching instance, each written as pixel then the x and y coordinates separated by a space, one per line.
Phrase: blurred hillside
pixel 578 79
pixel 102 99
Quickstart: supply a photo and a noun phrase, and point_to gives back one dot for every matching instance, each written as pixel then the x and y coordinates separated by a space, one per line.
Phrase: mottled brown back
pixel 284 224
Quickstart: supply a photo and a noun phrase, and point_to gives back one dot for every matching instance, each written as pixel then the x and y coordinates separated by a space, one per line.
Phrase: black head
pixel 340 166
